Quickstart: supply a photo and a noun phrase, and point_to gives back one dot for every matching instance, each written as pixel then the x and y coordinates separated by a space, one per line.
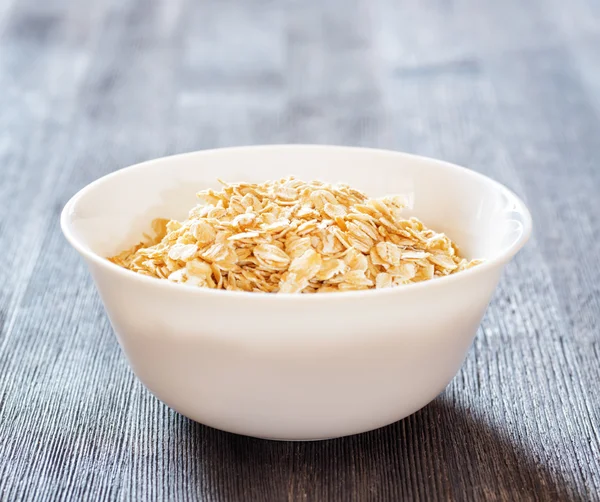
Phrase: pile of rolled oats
pixel 289 236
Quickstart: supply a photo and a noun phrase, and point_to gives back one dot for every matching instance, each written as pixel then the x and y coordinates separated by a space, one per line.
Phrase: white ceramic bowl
pixel 286 366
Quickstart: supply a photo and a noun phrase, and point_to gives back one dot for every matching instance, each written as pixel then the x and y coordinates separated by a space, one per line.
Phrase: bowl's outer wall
pixel 295 370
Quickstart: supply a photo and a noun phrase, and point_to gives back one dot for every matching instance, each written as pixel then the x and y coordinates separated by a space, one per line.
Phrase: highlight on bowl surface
pixel 291 236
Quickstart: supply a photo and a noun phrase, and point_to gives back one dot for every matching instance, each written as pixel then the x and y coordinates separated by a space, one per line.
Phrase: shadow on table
pixel 439 453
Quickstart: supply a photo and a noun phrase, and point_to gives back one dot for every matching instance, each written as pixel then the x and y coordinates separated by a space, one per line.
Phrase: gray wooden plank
pixel 231 80
pixel 507 88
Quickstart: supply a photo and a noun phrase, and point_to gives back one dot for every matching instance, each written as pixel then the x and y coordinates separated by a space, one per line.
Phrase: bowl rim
pixel 499 260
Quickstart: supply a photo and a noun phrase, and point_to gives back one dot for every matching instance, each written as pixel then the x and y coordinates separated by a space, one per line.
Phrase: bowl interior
pixel 480 215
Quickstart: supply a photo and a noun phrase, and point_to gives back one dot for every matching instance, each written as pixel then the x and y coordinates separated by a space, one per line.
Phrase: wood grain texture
pixel 508 88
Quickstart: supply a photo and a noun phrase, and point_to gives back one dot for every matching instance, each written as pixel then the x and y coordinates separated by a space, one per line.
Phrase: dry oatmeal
pixel 291 236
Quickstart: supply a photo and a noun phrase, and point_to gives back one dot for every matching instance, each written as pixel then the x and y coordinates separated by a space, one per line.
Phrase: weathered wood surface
pixel 510 88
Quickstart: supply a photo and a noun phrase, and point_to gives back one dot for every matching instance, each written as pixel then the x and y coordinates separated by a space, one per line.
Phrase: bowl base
pixel 298 440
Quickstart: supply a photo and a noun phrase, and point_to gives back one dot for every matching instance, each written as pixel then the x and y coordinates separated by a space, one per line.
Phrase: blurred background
pixel 510 88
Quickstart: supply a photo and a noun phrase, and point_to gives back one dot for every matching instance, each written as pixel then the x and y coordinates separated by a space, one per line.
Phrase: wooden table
pixel 509 88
